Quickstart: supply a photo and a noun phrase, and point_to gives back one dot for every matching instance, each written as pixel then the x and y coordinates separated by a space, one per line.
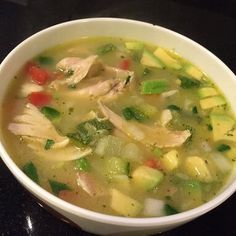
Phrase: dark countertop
pixel 211 23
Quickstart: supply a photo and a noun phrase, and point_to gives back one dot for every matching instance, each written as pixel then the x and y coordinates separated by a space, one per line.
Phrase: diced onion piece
pixel 132 152
pixel 221 162
pixel 153 207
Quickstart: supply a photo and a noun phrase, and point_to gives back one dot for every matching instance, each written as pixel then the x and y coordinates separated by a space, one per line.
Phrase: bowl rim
pixel 100 217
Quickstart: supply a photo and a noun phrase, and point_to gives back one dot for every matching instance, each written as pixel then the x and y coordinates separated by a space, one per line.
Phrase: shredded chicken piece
pixel 36 129
pixel 166 117
pixel 79 69
pixel 169 93
pixel 89 184
pixel 28 88
pixel 158 135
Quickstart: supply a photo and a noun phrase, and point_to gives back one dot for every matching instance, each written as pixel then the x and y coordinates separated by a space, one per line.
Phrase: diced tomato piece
pixel 38 75
pixel 125 64
pixel 39 98
pixel 153 163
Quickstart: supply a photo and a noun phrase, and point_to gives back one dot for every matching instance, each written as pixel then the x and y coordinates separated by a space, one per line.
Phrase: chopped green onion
pixel 223 148
pixel 50 113
pixel 57 186
pixel 30 170
pixel 174 108
pixel 82 164
pixel 169 210
pixel 104 49
pixel 45 60
pixel 49 143
pixel 154 86
pixel 188 83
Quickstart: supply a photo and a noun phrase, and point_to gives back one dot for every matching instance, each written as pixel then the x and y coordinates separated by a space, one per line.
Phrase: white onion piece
pixel 221 162
pixel 153 207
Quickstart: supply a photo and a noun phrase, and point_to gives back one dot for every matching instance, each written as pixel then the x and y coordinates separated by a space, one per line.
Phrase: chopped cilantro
pixel 49 143
pixel 223 148
pixel 209 127
pixel 194 110
pixel 188 83
pixel 174 108
pixel 106 48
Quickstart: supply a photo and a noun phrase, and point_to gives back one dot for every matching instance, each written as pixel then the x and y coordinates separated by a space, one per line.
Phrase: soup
pixel 120 127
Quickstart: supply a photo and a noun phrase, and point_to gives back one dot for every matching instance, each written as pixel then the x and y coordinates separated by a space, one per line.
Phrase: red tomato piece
pixel 125 64
pixel 38 75
pixel 153 163
pixel 39 98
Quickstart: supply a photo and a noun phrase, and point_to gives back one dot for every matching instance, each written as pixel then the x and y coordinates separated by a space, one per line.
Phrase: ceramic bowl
pixel 88 220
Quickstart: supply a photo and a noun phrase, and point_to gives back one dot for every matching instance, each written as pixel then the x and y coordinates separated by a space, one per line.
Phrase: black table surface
pixel 211 23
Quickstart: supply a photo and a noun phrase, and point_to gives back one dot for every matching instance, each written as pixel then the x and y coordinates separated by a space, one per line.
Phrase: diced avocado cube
pixel 147 178
pixel 148 59
pixel 193 72
pixel 222 127
pixel 167 59
pixel 154 86
pixel 124 204
pixel 117 166
pixel 207 103
pixel 207 92
pixel 133 45
pixel 170 160
pixel 197 169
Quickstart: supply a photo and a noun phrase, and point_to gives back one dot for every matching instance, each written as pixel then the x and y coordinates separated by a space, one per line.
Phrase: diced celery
pixel 82 164
pixel 154 86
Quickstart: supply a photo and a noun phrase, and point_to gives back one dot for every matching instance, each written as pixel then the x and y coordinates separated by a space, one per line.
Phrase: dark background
pixel 211 23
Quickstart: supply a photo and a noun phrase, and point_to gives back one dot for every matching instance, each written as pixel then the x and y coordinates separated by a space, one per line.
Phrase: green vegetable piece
pixel 49 143
pixel 209 127
pixel 188 83
pixel 194 110
pixel 102 124
pixel 223 148
pixel 169 210
pixel 133 45
pixel 157 151
pixel 154 86
pixel 30 170
pixel 45 60
pixel 50 113
pixel 133 113
pixel 174 108
pixel 58 186
pixel 106 48
pixel 82 164
pixel 117 166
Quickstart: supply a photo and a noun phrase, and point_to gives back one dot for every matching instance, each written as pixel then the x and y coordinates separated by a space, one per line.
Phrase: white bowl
pixel 88 220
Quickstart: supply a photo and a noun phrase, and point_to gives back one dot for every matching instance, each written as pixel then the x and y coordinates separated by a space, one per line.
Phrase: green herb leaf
pixel 157 151
pixel 173 107
pixel 49 143
pixel 169 210
pixel 194 110
pixel 30 170
pixel 82 164
pixel 45 60
pixel 57 186
pixel 104 49
pixel 130 113
pixel 188 83
pixel 154 86
pixel 209 127
pixel 50 113
pixel 223 148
